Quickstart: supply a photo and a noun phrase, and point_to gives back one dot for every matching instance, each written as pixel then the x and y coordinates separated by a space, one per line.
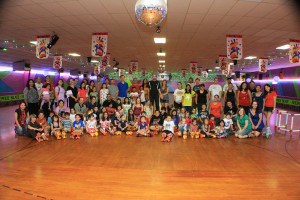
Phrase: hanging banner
pixel 262 64
pixel 57 61
pixel 97 70
pixel 193 67
pixel 161 70
pixel 294 51
pixel 144 72
pixel 42 52
pixel 199 70
pixel 183 72
pixel 105 59
pixel 234 47
pixel 134 65
pixel 99 44
pixel 227 71
pixel 223 61
pixel 102 68
pixel 129 69
pixel 121 71
pixel 204 74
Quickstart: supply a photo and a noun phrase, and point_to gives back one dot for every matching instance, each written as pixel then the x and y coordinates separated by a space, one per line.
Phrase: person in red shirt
pixel 47 80
pixel 269 106
pixel 244 97
pixel 134 84
pixel 216 108
pixel 143 113
pixel 212 123
pixel 41 120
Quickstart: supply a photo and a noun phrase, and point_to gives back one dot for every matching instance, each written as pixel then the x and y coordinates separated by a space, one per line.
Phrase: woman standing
pixel 103 93
pixel 201 97
pixel 72 94
pixel 82 92
pixel 146 88
pixel 244 97
pixel 164 95
pixel 187 98
pixel 229 95
pixel 244 125
pixel 59 91
pixel 269 106
pixel 256 118
pixel 259 96
pixel 216 108
pixel 31 97
pixel 20 117
pixel 90 88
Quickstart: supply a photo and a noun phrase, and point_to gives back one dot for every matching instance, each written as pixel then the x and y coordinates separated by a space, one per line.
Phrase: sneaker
pixel 250 135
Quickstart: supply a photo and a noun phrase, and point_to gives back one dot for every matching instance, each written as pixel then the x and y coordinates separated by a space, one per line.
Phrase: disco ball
pixel 151 12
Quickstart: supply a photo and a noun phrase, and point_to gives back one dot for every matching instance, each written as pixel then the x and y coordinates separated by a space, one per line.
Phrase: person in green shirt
pixel 244 125
pixel 187 98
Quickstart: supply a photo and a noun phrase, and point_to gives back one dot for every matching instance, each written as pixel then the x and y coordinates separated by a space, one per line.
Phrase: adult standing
pixel 123 87
pixel 113 89
pixel 20 119
pixel 98 84
pixel 187 98
pixel 39 84
pixel 269 106
pixel 164 94
pixel 134 84
pixel 106 81
pixel 252 87
pixel 256 118
pixel 82 92
pixel 59 92
pixel 229 94
pixel 196 88
pixel 226 85
pixel 31 97
pixel 214 89
pixel 259 96
pixel 216 108
pixel 201 97
pixel 76 83
pixel 154 86
pixel 72 94
pixel 244 124
pixel 90 88
pixel 80 107
pixel 145 84
pixel 244 97
pixel 178 93
pixel 191 82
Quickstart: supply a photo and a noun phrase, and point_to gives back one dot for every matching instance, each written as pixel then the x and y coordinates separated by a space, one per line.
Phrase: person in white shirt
pixel 39 84
pixel 168 132
pixel 133 96
pixel 191 82
pixel 214 89
pixel 178 93
pixel 225 86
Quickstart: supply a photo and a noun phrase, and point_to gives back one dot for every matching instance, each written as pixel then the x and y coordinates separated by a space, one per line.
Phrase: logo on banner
pixel 134 65
pixel 193 67
pixel 234 47
pixel 227 71
pixel 130 69
pixel 183 72
pixel 294 51
pixel 99 44
pixel 223 61
pixel 204 74
pixel 57 62
pixel 102 68
pixel 262 64
pixel 199 70
pixel 97 70
pixel 42 52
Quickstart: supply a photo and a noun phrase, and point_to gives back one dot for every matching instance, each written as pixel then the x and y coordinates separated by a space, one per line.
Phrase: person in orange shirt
pixel 216 108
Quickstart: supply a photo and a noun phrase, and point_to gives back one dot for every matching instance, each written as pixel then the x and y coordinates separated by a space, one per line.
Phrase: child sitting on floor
pixel 43 123
pixel 105 124
pixel 182 113
pixel 156 122
pixel 91 125
pixel 228 124
pixel 194 129
pixel 78 127
pixel 182 127
pixel 72 115
pixel 194 113
pixel 126 106
pixel 123 125
pixel 35 130
pixel 168 132
pixel 212 122
pixel 49 120
pixel 56 127
pixel 131 120
pixel 203 114
pixel 143 128
pixel 220 130
pixel 67 123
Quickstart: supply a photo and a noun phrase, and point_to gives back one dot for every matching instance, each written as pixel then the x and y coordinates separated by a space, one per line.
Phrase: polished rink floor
pixel 126 167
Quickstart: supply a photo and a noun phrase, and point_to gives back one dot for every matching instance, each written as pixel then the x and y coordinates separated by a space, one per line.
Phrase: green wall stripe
pixel 295 83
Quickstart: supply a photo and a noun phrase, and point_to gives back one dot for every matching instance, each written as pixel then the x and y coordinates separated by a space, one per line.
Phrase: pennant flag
pixel 105 59
pixel 183 72
pixel 99 44
pixel 204 74
pixel 294 51
pixel 193 67
pixel 223 61
pixel 57 61
pixel 102 68
pixel 134 65
pixel 199 70
pixel 262 64
pixel 42 52
pixel 129 69
pixel 121 71
pixel 144 72
pixel 227 71
pixel 97 70
pixel 234 47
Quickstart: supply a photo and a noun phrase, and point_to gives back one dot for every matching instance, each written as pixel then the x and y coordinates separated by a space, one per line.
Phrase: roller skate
pixel 197 135
pixel 268 132
pixel 213 135
pixel 192 135
pixel 179 134
pixel 44 137
pixel 63 134
pixel 112 131
pixel 163 137
pixel 38 137
pixel 46 133
pixel 129 132
pixel 202 135
pixel 77 135
pixel 156 130
pixel 175 129
pixel 72 135
pixel 169 137
pixel 185 135
pixel 96 133
pixel 118 133
pixel 103 131
pixel 58 135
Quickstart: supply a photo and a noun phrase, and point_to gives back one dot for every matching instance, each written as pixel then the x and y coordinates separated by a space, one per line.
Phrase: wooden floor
pixel 126 167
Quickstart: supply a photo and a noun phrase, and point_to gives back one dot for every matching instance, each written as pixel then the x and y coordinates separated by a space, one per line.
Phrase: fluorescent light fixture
pixel 74 54
pixel 161 61
pixel 217 67
pixel 161 54
pixel 94 61
pixel 115 68
pixel 283 47
pixel 250 57
pixel 210 70
pixel 33 42
pixel 230 63
pixel 160 40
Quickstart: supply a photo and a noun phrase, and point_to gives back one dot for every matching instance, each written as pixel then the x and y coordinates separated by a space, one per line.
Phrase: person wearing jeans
pixel 154 86
pixel 20 117
pixel 244 124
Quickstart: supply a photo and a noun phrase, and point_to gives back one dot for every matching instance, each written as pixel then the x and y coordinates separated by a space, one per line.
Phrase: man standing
pixel 76 83
pixel 178 93
pixel 191 83
pixel 39 84
pixel 214 89
pixel 225 86
pixel 98 84
pixel 154 85
pixel 196 88
pixel 123 87
pixel 113 90
pixel 135 84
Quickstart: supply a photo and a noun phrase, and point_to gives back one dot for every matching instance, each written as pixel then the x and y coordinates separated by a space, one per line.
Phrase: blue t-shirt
pixel 140 124
pixel 123 89
pixel 49 120
pixel 78 125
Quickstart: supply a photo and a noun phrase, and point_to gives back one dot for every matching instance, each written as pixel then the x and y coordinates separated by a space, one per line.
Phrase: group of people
pixel 147 108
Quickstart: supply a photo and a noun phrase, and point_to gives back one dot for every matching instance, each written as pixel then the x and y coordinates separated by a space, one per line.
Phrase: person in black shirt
pixel 108 101
pixel 72 94
pixel 201 97
pixel 232 109
pixel 156 121
pixel 154 85
pixel 93 103
pixel 252 88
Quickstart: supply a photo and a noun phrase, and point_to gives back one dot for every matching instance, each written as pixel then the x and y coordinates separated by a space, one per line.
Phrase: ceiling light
pixel 250 57
pixel 217 67
pixel 74 54
pixel 94 61
pixel 161 61
pixel 286 46
pixel 160 40
pixel 210 70
pixel 33 42
pixel 231 63
pixel 161 54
